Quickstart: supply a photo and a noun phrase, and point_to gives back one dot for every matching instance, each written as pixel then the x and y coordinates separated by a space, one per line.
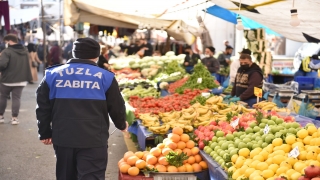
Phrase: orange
pixel 171 145
pixel 150 166
pixel 196 167
pixel 155 151
pixel 187 151
pixel 166 140
pixel 145 156
pixel 172 169
pixel 120 161
pixel 151 159
pixel 203 165
pixel 189 167
pixel 161 145
pixel 191 160
pixel 184 137
pixel 174 137
pixel 139 154
pixel 190 144
pixel 141 164
pixel 179 151
pixel 198 158
pixel 127 155
pixel 124 168
pixel 177 130
pixel 195 150
pixel 165 151
pixel 132 160
pixel 182 169
pixel 181 145
pixel 133 171
pixel 161 168
pixel 163 161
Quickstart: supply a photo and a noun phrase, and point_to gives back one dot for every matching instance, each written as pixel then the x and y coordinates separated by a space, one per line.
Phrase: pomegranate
pixel 303 178
pixel 312 171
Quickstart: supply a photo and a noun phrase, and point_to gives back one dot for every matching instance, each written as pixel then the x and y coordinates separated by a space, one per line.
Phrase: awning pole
pixel 44 31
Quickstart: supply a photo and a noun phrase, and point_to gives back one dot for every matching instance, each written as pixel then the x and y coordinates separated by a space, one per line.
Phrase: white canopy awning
pixel 275 14
pixel 18 16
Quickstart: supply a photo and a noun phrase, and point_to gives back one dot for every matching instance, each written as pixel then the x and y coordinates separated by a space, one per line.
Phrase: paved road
pixel 23 157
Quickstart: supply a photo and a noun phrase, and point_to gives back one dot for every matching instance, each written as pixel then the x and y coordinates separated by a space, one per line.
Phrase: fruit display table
pixel 215 171
pixel 142 134
pixel 302 120
pixel 128 177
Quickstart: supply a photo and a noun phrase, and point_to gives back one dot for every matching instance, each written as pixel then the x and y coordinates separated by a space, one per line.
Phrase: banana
pixel 220 99
pixel 212 100
pixel 222 105
pixel 202 110
pixel 189 116
pixel 190 110
pixel 201 119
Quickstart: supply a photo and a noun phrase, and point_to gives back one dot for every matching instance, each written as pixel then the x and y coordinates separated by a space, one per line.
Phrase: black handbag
pixel 34 64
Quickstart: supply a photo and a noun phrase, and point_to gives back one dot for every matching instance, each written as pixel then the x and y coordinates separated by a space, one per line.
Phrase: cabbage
pixel 170 53
pixel 132 62
pixel 147 58
pixel 168 61
pixel 144 65
pixel 156 58
pixel 135 66
pixel 160 63
pixel 164 58
pixel 173 58
pixel 151 63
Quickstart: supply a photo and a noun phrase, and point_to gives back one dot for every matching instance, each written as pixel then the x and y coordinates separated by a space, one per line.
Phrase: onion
pixel 312 171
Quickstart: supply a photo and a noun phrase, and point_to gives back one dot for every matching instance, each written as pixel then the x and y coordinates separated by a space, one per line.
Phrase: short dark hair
pixel 187 47
pixel 245 56
pixel 229 47
pixel 11 37
pixel 212 49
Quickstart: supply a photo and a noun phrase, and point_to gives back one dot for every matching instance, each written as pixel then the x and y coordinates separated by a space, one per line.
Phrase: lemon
pixel 249 171
pixel 236 174
pixel 239 162
pixel 284 175
pixel 255 152
pixel 279 152
pixel 234 158
pixel 290 139
pixel 269 148
pixel 291 160
pixel 254 164
pixel 318 157
pixel 273 167
pixel 299 166
pixel 302 155
pixel 244 152
pixel 295 175
pixel 262 166
pixel 269 161
pixel 302 133
pixel 277 159
pixel 286 148
pixel 241 177
pixel 282 169
pixel 243 169
pixel 268 173
pixel 290 172
pixel 314 162
pixel 248 162
pixel 307 140
pixel 311 155
pixel 285 164
pixel 259 158
pixel 265 154
pixel 232 169
pixel 277 142
pixel 311 129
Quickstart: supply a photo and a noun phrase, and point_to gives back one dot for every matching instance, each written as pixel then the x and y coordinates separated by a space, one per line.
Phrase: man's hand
pixel 127 125
pixel 47 141
pixel 228 61
pixel 186 63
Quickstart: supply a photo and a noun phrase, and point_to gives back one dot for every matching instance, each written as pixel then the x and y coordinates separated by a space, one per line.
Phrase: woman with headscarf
pixel 102 61
pixel 34 62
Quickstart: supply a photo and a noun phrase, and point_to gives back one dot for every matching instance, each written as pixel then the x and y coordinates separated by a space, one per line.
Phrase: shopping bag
pixel 307 109
pixel 225 84
pixel 290 104
pixel 277 100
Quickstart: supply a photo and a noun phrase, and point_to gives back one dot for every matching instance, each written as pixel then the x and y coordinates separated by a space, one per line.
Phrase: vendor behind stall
pixel 191 59
pixel 249 75
pixel 210 62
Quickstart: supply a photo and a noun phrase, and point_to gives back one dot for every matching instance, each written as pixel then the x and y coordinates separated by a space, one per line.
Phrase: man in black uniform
pixel 73 104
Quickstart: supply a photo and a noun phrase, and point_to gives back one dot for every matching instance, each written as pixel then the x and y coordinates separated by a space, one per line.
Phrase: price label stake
pixel 235 123
pixel 199 81
pixel 257 92
pixel 294 152
pixel 266 129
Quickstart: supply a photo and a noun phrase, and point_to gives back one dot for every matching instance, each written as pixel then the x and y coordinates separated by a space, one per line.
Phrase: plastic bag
pixel 277 100
pixel 307 109
pixel 225 84
pixel 272 88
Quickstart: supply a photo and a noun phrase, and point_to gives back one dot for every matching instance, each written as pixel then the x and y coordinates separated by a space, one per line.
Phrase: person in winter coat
pixel 249 75
pixel 15 74
pixel 235 64
pixel 74 102
pixel 191 59
pixel 210 62
pixel 34 62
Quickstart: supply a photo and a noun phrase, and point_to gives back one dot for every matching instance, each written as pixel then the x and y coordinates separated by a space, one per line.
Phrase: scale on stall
pixel 313 96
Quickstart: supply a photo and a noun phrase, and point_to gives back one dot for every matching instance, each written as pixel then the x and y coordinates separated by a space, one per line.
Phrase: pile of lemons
pixel 275 161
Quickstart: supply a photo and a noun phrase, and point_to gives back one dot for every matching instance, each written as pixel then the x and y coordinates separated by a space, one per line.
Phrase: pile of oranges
pixel 177 141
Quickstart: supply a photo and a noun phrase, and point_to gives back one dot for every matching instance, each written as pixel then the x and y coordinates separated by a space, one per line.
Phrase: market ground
pixel 24 157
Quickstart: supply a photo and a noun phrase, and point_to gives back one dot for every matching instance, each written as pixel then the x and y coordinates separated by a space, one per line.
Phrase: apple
pixel 229 137
pixel 262 125
pixel 256 129
pixel 279 120
pixel 219 134
pixel 253 124
pixel 273 118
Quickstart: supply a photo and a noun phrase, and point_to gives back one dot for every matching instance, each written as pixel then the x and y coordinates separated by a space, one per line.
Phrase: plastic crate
pixel 175 177
pixel 122 176
pixel 305 83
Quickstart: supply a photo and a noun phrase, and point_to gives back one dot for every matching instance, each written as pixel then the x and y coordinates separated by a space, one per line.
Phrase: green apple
pixel 297 125
pixel 219 133
pixel 221 139
pixel 273 118
pixel 255 146
pixel 249 130
pixel 213 145
pixel 233 152
pixel 222 153
pixel 214 139
pixel 253 124
pixel 242 145
pixel 217 148
pixel 249 145
pixel 273 130
pixel 246 140
pixel 262 125
pixel 218 151
pixel 220 143
pixel 229 137
pixel 264 145
pixel 224 146
pixel 256 129
pixel 270 122
pixel 213 153
pixel 279 120
pixel 288 126
pixel 242 136
pixel 264 120
pixel 292 131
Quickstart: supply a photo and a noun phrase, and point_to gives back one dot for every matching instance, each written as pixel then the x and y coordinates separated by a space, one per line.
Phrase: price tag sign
pixel 199 80
pixel 257 92
pixel 206 95
pixel 266 129
pixel 294 152
pixel 235 123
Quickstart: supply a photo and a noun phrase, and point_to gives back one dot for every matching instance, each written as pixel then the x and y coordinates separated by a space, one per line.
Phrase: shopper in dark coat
pixel 209 61
pixel 74 102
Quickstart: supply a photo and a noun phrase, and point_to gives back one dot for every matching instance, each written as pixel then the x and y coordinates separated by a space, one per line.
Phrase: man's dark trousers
pixel 81 163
